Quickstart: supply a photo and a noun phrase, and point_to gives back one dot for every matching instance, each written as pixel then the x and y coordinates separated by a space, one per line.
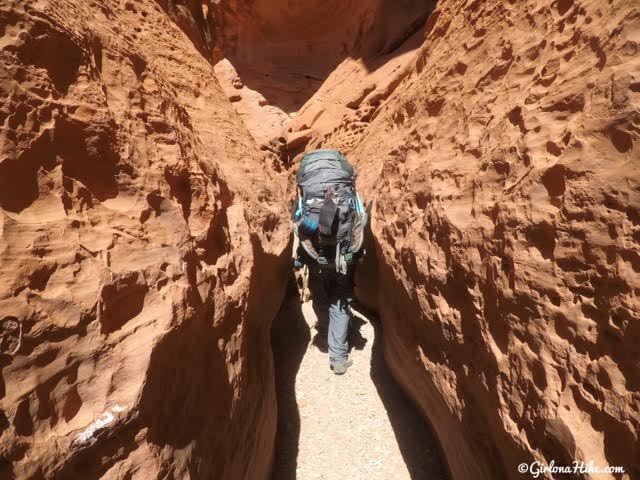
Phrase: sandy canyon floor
pixel 359 425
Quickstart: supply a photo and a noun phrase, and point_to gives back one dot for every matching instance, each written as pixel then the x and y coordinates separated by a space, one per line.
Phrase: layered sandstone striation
pixel 142 252
pixel 504 170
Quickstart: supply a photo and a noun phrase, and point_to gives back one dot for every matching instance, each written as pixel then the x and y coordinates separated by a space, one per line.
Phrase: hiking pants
pixel 332 294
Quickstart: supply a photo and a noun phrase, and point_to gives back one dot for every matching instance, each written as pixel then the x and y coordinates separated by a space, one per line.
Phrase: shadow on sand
pixel 417 441
pixel 290 338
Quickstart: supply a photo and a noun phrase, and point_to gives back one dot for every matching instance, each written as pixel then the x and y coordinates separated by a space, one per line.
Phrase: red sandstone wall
pixel 504 168
pixel 142 253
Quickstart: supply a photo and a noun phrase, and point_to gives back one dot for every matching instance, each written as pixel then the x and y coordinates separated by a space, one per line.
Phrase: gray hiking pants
pixel 332 294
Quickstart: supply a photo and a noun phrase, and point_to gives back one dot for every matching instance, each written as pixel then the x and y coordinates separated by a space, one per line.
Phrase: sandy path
pixel 356 426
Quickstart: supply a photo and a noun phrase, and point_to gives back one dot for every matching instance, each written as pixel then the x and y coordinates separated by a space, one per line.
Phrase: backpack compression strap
pixel 318 155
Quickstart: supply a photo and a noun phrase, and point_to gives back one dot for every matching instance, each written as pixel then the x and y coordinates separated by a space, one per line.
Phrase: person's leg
pixel 340 296
pixel 319 297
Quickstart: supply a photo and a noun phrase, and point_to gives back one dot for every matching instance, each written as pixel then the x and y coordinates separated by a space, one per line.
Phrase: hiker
pixel 329 220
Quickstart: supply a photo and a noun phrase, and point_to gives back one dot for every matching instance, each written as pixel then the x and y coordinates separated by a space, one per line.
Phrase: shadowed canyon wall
pixel 294 69
pixel 143 253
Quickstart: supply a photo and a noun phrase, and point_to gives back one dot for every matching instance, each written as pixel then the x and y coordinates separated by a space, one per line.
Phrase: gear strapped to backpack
pixel 329 218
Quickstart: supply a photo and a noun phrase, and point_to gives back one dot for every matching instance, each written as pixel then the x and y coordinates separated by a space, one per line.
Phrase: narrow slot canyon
pixel 151 323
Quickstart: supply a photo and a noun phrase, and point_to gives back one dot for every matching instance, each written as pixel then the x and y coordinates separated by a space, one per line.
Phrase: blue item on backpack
pixel 309 226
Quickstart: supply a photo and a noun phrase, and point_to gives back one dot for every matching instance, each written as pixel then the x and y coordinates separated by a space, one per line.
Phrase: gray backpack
pixel 329 218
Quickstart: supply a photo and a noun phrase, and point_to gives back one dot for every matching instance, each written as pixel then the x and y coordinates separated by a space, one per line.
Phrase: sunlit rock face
pixel 142 253
pixel 504 170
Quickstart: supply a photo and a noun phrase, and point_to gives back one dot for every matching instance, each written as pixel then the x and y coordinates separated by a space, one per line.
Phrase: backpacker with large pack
pixel 329 218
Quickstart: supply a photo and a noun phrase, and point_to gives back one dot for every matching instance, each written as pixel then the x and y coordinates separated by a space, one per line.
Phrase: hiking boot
pixel 340 367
